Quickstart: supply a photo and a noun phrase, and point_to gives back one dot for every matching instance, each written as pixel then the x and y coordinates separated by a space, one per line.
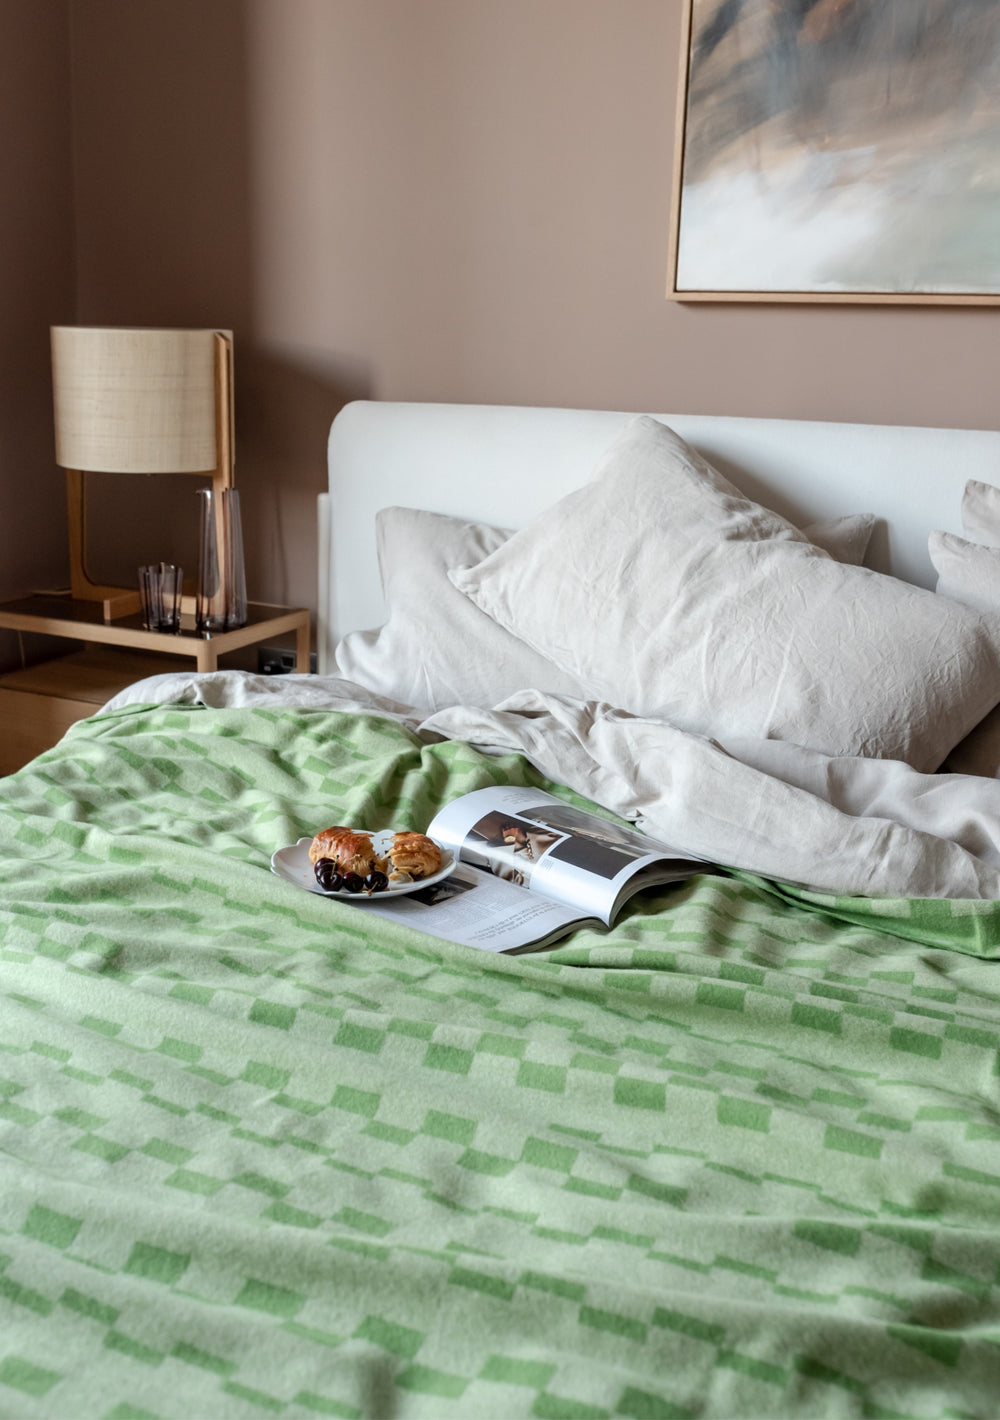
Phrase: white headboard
pixel 503 464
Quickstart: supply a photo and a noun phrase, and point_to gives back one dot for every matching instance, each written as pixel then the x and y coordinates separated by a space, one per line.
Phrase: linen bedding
pixel 739 1156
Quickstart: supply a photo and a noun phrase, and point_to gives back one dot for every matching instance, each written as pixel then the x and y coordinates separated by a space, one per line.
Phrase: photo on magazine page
pixel 509 845
pixel 592 844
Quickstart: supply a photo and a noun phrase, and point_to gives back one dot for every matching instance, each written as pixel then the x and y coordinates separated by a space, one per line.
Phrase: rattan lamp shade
pixel 134 401
pixel 137 401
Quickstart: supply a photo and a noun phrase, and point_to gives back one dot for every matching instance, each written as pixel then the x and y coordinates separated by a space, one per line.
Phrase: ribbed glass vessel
pixel 222 588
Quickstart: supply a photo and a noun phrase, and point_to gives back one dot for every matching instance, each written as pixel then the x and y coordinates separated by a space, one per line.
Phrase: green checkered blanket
pixel 738 1157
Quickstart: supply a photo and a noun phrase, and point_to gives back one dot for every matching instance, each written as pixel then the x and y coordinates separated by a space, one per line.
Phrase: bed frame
pixel 504 464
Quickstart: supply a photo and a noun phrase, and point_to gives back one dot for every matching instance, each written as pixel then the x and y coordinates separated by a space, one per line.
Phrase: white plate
pixel 292 864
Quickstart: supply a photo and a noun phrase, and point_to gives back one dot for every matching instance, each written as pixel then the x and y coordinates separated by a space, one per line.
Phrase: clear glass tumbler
pixel 160 586
pixel 222 588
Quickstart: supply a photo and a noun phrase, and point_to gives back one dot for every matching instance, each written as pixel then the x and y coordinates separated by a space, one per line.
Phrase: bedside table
pixel 39 703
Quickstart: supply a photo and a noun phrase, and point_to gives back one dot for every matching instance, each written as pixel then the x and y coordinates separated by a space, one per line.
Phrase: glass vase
pixel 222 589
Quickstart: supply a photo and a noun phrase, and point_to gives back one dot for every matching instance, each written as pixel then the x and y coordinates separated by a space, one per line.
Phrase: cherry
pixel 327 875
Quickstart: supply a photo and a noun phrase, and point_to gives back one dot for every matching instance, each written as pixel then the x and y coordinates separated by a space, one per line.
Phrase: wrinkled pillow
pixel 845 538
pixel 665 591
pixel 969 572
pixel 981 513
pixel 437 649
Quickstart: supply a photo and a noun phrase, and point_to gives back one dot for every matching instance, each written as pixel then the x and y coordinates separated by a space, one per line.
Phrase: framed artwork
pixel 838 150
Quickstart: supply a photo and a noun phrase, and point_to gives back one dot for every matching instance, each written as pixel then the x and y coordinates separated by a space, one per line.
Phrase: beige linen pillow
pixel 845 538
pixel 981 513
pixel 665 591
pixel 437 648
pixel 969 572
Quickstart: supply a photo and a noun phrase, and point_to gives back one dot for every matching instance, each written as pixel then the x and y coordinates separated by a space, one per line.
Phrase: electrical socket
pixel 274 660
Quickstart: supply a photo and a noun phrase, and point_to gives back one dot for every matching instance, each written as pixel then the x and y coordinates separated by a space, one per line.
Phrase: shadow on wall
pixel 284 410
pixel 283 415
pixel 36 289
pixel 164 135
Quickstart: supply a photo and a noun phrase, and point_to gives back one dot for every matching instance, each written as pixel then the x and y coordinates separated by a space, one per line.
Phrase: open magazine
pixel 530 870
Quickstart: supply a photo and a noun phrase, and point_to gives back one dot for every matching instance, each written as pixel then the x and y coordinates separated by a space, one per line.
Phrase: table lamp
pixel 137 401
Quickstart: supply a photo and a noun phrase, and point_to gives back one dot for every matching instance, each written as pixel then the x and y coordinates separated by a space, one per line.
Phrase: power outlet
pixel 273 660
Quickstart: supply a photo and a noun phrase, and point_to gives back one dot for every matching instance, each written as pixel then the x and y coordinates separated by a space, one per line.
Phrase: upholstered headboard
pixel 503 464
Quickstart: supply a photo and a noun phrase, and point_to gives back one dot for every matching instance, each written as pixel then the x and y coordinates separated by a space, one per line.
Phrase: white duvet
pixel 865 827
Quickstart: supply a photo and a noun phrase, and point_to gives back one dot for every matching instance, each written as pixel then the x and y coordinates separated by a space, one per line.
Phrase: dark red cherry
pixel 327 875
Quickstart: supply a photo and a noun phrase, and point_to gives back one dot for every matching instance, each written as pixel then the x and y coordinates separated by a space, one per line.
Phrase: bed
pixel 737 1156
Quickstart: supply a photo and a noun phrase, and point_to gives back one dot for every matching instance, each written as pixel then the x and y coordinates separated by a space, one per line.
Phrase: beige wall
pixel 436 199
pixel 36 289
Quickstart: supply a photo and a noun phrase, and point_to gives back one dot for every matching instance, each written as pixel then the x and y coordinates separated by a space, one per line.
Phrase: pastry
pixel 339 853
pixel 353 852
pixel 412 856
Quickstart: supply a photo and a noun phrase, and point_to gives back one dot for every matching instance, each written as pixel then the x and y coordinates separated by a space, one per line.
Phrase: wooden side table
pixel 39 703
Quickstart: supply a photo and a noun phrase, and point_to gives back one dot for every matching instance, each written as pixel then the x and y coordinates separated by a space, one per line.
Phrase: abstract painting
pixel 838 150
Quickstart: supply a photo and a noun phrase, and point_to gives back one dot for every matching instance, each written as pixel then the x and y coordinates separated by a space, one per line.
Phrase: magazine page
pixel 480 910
pixel 537 841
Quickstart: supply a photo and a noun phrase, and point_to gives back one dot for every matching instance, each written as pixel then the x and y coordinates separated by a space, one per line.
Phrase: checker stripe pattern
pixel 739 1156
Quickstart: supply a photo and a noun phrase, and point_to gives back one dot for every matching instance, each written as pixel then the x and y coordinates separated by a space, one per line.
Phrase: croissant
pixel 413 856
pixel 353 852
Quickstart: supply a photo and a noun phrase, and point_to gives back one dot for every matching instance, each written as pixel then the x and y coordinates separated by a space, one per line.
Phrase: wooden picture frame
pixel 837 151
